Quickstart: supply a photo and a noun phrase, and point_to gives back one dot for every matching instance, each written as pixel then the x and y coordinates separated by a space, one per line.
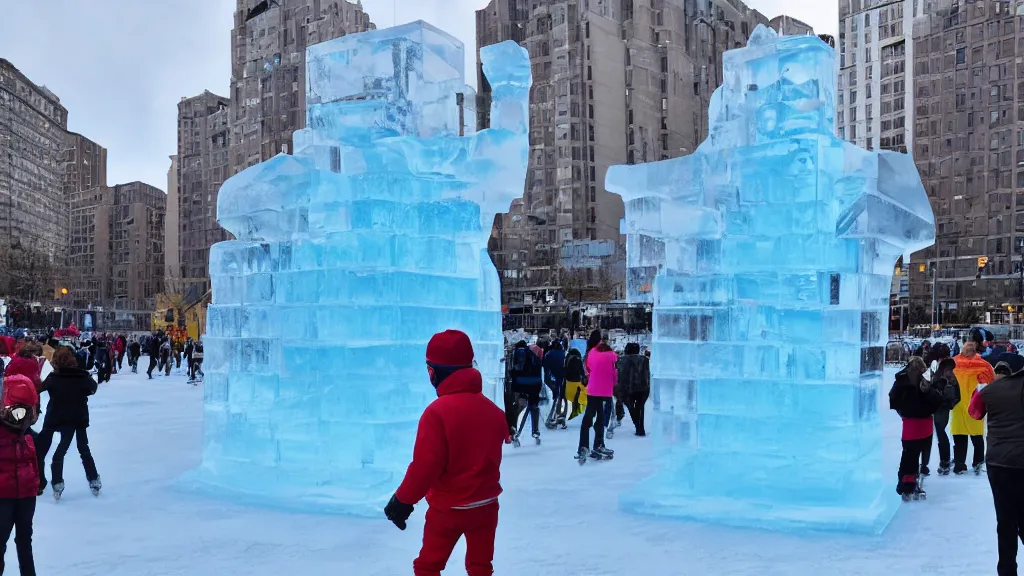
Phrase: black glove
pixel 398 512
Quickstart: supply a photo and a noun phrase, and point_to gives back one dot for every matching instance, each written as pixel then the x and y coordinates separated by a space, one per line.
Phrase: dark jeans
pixel 532 393
pixel 558 405
pixel 594 416
pixel 1008 496
pixel 57 464
pixel 152 365
pixel 16 514
pixel 635 403
pixel 960 451
pixel 910 464
pixel 941 421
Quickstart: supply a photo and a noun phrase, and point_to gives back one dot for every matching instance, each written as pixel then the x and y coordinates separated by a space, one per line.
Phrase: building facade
pixel 202 166
pixel 614 82
pixel 268 70
pixel 172 258
pixel 116 258
pixel 875 100
pixel 33 129
pixel 969 149
pixel 85 167
pixel 789 26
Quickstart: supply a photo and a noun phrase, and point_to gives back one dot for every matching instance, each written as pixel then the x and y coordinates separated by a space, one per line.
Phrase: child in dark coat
pixel 916 401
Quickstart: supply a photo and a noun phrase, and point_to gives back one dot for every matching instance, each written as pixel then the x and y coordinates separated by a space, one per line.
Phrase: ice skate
pixel 58 490
pixel 536 438
pixel 979 469
pixel 581 455
pixel 610 433
pixel 925 471
pixel 598 454
pixel 95 486
pixel 943 469
pixel 605 450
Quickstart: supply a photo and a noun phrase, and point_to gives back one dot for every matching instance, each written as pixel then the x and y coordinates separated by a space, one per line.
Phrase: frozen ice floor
pixel 557 519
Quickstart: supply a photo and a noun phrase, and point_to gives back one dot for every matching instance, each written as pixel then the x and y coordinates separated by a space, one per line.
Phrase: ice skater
pixel 554 378
pixel 67 412
pixel 916 401
pixel 601 379
pixel 971 370
pixel 527 380
pixel 634 385
pixel 455 463
pixel 19 472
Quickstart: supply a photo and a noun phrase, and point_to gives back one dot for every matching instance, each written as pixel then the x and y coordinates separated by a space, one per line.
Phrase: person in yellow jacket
pixel 970 371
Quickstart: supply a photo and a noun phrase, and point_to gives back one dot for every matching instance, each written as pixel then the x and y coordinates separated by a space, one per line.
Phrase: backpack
pixel 525 361
pixel 18 402
pixel 574 371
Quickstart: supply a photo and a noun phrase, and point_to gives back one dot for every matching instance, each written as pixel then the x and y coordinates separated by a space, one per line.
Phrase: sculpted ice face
pixel 349 256
pixel 768 255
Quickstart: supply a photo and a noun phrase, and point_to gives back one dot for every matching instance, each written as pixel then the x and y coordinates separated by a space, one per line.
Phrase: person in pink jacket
pixel 601 380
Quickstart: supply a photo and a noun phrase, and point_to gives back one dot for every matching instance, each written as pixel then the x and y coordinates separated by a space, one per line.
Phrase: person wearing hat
pixel 1002 402
pixel 971 370
pixel 456 463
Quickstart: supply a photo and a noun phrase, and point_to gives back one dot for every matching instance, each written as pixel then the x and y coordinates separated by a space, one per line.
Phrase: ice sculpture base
pixel 650 497
pixel 365 501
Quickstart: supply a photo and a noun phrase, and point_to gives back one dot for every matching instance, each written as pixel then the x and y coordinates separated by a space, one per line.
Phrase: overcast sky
pixel 120 66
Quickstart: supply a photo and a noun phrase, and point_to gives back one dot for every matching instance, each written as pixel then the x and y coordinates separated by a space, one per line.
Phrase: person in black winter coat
pixel 153 346
pixel 67 412
pixel 527 379
pixel 941 375
pixel 134 352
pixel 104 362
pixel 634 385
pixel 554 377
pixel 916 401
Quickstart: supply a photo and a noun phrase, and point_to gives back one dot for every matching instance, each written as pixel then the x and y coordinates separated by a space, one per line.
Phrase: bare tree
pixel 28 274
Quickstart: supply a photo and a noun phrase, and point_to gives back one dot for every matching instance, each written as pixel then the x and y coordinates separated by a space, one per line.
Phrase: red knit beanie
pixel 450 348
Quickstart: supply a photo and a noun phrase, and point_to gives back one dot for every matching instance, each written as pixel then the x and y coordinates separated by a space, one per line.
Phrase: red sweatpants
pixel 442 530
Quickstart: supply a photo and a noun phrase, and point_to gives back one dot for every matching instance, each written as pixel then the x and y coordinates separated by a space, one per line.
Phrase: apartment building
pixel 614 82
pixel 33 129
pixel 84 165
pixel 268 70
pixel 875 100
pixel 789 26
pixel 202 166
pixel 116 257
pixel 969 149
pixel 172 253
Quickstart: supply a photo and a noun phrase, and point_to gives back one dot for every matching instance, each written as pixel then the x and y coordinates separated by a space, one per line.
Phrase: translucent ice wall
pixel 771 250
pixel 349 256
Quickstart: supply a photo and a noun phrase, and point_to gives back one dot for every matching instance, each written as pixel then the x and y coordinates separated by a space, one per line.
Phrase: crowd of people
pixel 600 383
pixel 79 366
pixel 982 384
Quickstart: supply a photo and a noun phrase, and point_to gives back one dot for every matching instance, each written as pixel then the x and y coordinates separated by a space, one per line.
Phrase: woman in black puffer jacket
pixel 67 412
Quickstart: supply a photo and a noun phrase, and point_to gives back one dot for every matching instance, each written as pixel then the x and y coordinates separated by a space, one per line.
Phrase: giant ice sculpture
pixel 349 256
pixel 771 251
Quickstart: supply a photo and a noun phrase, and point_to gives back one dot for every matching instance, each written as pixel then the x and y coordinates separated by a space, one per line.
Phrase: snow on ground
pixel 556 517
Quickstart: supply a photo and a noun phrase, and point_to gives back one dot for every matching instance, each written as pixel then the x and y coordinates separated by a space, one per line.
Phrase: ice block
pixel 768 255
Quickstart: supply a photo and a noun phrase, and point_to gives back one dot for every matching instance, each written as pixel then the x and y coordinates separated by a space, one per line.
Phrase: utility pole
pixel 935 311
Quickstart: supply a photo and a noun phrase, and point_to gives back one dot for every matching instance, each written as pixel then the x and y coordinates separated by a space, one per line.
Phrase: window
pixel 961 55
pixel 853 96
pixel 871 145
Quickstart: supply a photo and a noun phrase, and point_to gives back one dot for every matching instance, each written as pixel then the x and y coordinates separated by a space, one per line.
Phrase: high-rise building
pixel 875 101
pixel 268 70
pixel 85 167
pixel 116 259
pixel 969 149
pixel 202 166
pixel 789 26
pixel 614 82
pixel 172 253
pixel 33 129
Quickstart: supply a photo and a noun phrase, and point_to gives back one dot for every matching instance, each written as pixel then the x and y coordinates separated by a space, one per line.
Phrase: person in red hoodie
pixel 455 463
pixel 19 472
